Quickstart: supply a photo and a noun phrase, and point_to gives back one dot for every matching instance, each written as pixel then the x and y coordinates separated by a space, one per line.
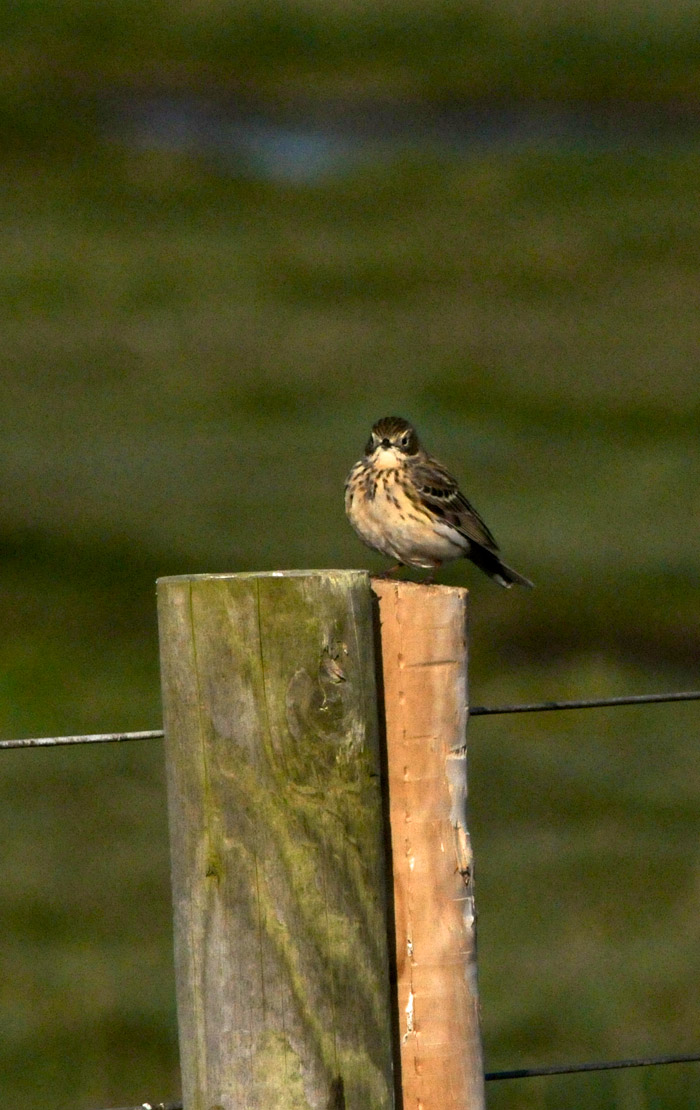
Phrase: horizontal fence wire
pixel 595 1065
pixel 514 1073
pixel 474 711
pixel 588 703
pixel 92 738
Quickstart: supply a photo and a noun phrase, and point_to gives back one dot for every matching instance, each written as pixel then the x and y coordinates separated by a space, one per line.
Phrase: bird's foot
pixel 430 576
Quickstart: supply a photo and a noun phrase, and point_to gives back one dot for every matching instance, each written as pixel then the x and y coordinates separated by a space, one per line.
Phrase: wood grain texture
pixel 424 666
pixel 276 838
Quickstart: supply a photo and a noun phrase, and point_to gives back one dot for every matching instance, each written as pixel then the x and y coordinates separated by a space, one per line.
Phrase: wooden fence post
pixel 424 664
pixel 276 837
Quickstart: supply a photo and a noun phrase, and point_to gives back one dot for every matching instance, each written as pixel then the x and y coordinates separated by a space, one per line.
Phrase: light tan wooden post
pixel 276 837
pixel 424 664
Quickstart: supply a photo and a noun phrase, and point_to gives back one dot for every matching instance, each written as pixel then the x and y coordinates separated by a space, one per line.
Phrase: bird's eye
pixel 405 440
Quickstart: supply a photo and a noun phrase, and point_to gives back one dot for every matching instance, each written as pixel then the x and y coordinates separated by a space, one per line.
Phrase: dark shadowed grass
pixel 191 365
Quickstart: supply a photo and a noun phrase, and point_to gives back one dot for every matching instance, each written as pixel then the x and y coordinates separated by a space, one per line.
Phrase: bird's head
pixel 391 440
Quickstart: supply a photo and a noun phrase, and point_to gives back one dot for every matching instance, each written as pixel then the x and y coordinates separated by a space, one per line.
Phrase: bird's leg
pixel 430 576
pixel 390 572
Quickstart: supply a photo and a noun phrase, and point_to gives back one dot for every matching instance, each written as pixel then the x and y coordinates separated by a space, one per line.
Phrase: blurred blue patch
pixel 308 142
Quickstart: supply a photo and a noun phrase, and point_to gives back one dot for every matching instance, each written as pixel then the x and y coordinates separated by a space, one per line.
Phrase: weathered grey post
pixel 276 838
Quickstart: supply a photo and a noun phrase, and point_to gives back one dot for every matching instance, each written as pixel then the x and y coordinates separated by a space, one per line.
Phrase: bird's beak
pixel 386 444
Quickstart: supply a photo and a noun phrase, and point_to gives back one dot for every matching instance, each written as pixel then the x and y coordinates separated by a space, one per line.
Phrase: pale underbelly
pixel 404 533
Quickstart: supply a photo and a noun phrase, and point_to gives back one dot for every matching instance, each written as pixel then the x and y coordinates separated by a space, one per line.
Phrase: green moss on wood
pixel 277 1074
pixel 270 708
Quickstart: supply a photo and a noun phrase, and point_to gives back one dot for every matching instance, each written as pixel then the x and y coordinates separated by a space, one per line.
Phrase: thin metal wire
pixel 591 703
pixel 475 711
pixel 516 1073
pixel 598 1065
pixel 93 738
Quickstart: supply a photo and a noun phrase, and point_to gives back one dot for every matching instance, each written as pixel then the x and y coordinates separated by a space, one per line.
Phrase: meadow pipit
pixel 402 502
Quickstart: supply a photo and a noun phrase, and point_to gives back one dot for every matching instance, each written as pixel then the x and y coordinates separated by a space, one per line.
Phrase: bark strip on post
pixel 276 837
pixel 424 664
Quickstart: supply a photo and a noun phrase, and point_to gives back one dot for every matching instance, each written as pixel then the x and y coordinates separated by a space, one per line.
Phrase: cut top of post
pixel 333 574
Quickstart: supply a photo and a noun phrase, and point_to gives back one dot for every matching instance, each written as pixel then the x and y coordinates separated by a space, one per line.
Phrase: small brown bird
pixel 402 502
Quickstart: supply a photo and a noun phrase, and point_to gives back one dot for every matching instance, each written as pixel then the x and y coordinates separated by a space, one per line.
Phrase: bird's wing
pixel 443 496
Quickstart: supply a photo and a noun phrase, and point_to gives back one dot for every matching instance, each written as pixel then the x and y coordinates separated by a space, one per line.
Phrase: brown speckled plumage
pixel 406 505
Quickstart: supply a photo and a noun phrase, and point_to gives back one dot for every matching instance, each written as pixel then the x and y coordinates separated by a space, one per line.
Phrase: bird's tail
pixel 489 562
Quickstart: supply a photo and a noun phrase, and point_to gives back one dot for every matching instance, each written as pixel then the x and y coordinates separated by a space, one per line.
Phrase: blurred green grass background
pixel 192 358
